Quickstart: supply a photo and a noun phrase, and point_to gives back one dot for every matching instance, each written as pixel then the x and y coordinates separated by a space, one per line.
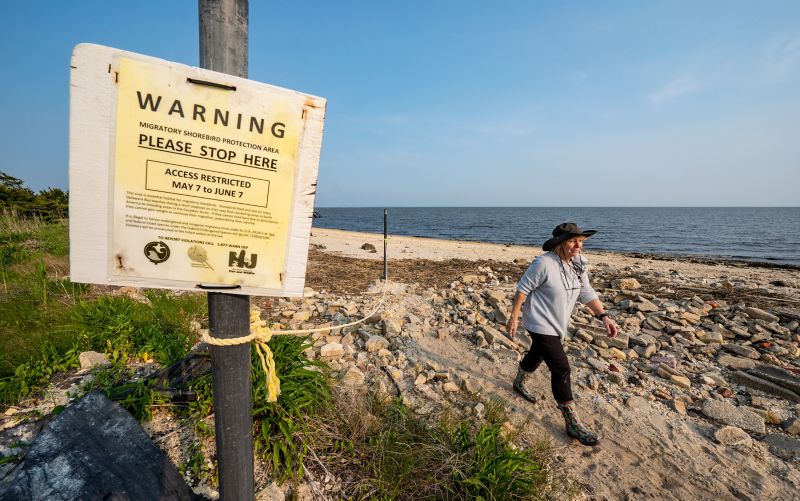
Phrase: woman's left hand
pixel 611 326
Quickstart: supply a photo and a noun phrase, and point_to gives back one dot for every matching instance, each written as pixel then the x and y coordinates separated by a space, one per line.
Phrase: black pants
pixel 550 350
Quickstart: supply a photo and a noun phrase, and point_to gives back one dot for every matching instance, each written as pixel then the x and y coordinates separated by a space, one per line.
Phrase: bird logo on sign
pixel 156 252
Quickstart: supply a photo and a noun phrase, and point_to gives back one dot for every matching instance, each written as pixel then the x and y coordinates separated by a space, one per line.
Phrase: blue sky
pixel 462 103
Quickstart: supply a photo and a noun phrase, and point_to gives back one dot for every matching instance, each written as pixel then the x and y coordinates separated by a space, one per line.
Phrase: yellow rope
pixel 261 334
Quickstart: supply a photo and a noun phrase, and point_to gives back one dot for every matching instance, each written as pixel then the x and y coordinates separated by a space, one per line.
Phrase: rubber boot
pixel 519 385
pixel 575 428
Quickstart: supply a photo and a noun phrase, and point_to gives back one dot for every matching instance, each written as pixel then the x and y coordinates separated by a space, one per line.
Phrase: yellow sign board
pixel 203 188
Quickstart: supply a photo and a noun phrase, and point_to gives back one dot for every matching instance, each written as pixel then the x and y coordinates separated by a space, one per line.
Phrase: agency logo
pixel 156 252
pixel 199 257
pixel 239 260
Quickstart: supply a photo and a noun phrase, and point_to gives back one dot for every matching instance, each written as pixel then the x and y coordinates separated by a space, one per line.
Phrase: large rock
pixel 779 376
pixel 654 322
pixel 745 351
pixel 734 416
pixel 731 435
pixel 501 315
pixel 353 377
pixel 626 283
pixel 645 306
pixel 783 446
pixel 736 362
pixel 89 359
pixel 392 326
pixel 376 343
pixel 711 337
pixel 764 385
pixel 331 351
pixel 495 298
pixel 759 314
pixel 493 336
pixel 620 341
pixel 95 449
pixel 793 427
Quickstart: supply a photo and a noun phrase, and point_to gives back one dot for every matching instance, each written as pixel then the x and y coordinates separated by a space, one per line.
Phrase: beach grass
pixel 46 320
pixel 379 448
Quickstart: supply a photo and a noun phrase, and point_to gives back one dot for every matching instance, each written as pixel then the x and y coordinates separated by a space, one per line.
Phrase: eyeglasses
pixel 569 282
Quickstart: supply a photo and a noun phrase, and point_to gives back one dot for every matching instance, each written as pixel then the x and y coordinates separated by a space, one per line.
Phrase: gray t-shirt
pixel 553 287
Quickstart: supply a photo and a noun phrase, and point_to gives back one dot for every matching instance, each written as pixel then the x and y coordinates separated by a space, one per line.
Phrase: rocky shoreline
pixel 697 398
pixel 694 348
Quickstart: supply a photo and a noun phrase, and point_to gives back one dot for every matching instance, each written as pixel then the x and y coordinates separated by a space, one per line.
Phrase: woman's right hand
pixel 512 325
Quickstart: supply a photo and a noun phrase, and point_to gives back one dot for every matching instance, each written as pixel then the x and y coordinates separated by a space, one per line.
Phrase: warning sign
pixel 211 176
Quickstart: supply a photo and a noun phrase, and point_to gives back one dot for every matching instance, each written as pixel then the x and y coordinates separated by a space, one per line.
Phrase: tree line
pixel 51 204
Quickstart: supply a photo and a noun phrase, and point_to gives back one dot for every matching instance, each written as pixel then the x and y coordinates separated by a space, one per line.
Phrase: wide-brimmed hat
pixel 564 232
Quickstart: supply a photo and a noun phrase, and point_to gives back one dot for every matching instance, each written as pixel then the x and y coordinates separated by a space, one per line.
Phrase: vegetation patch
pixel 381 450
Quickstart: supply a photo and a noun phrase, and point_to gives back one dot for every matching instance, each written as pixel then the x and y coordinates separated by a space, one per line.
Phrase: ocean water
pixel 762 234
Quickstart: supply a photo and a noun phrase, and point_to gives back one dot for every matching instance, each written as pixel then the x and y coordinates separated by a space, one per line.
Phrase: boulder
pixel 644 306
pixel 95 449
pixel 744 351
pixel 620 341
pixel 681 381
pixel 731 435
pixel 793 427
pixel 495 298
pixel 734 416
pixel 759 314
pixel 301 316
pixel 655 323
pixel 638 403
pixel 493 336
pixel 711 337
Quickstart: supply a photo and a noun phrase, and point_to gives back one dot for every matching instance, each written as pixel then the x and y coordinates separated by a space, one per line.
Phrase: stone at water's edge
pixel 95 450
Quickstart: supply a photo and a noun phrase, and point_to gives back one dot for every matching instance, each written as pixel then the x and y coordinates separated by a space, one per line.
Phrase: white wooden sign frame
pixel 93 98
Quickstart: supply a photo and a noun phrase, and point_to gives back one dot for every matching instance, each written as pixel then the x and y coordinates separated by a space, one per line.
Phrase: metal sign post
pixel 223 48
pixel 385 243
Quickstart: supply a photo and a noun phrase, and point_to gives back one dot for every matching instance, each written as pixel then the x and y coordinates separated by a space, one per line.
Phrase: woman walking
pixel 546 295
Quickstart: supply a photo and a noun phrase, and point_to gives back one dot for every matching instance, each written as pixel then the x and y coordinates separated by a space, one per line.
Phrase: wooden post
pixel 223 48
pixel 229 317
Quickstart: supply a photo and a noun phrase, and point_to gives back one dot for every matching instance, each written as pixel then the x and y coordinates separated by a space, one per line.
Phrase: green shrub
pixel 280 426
pixel 115 325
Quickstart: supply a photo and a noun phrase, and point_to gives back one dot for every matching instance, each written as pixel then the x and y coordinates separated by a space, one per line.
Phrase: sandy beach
pixel 697 398
pixel 680 404
pixel 348 244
